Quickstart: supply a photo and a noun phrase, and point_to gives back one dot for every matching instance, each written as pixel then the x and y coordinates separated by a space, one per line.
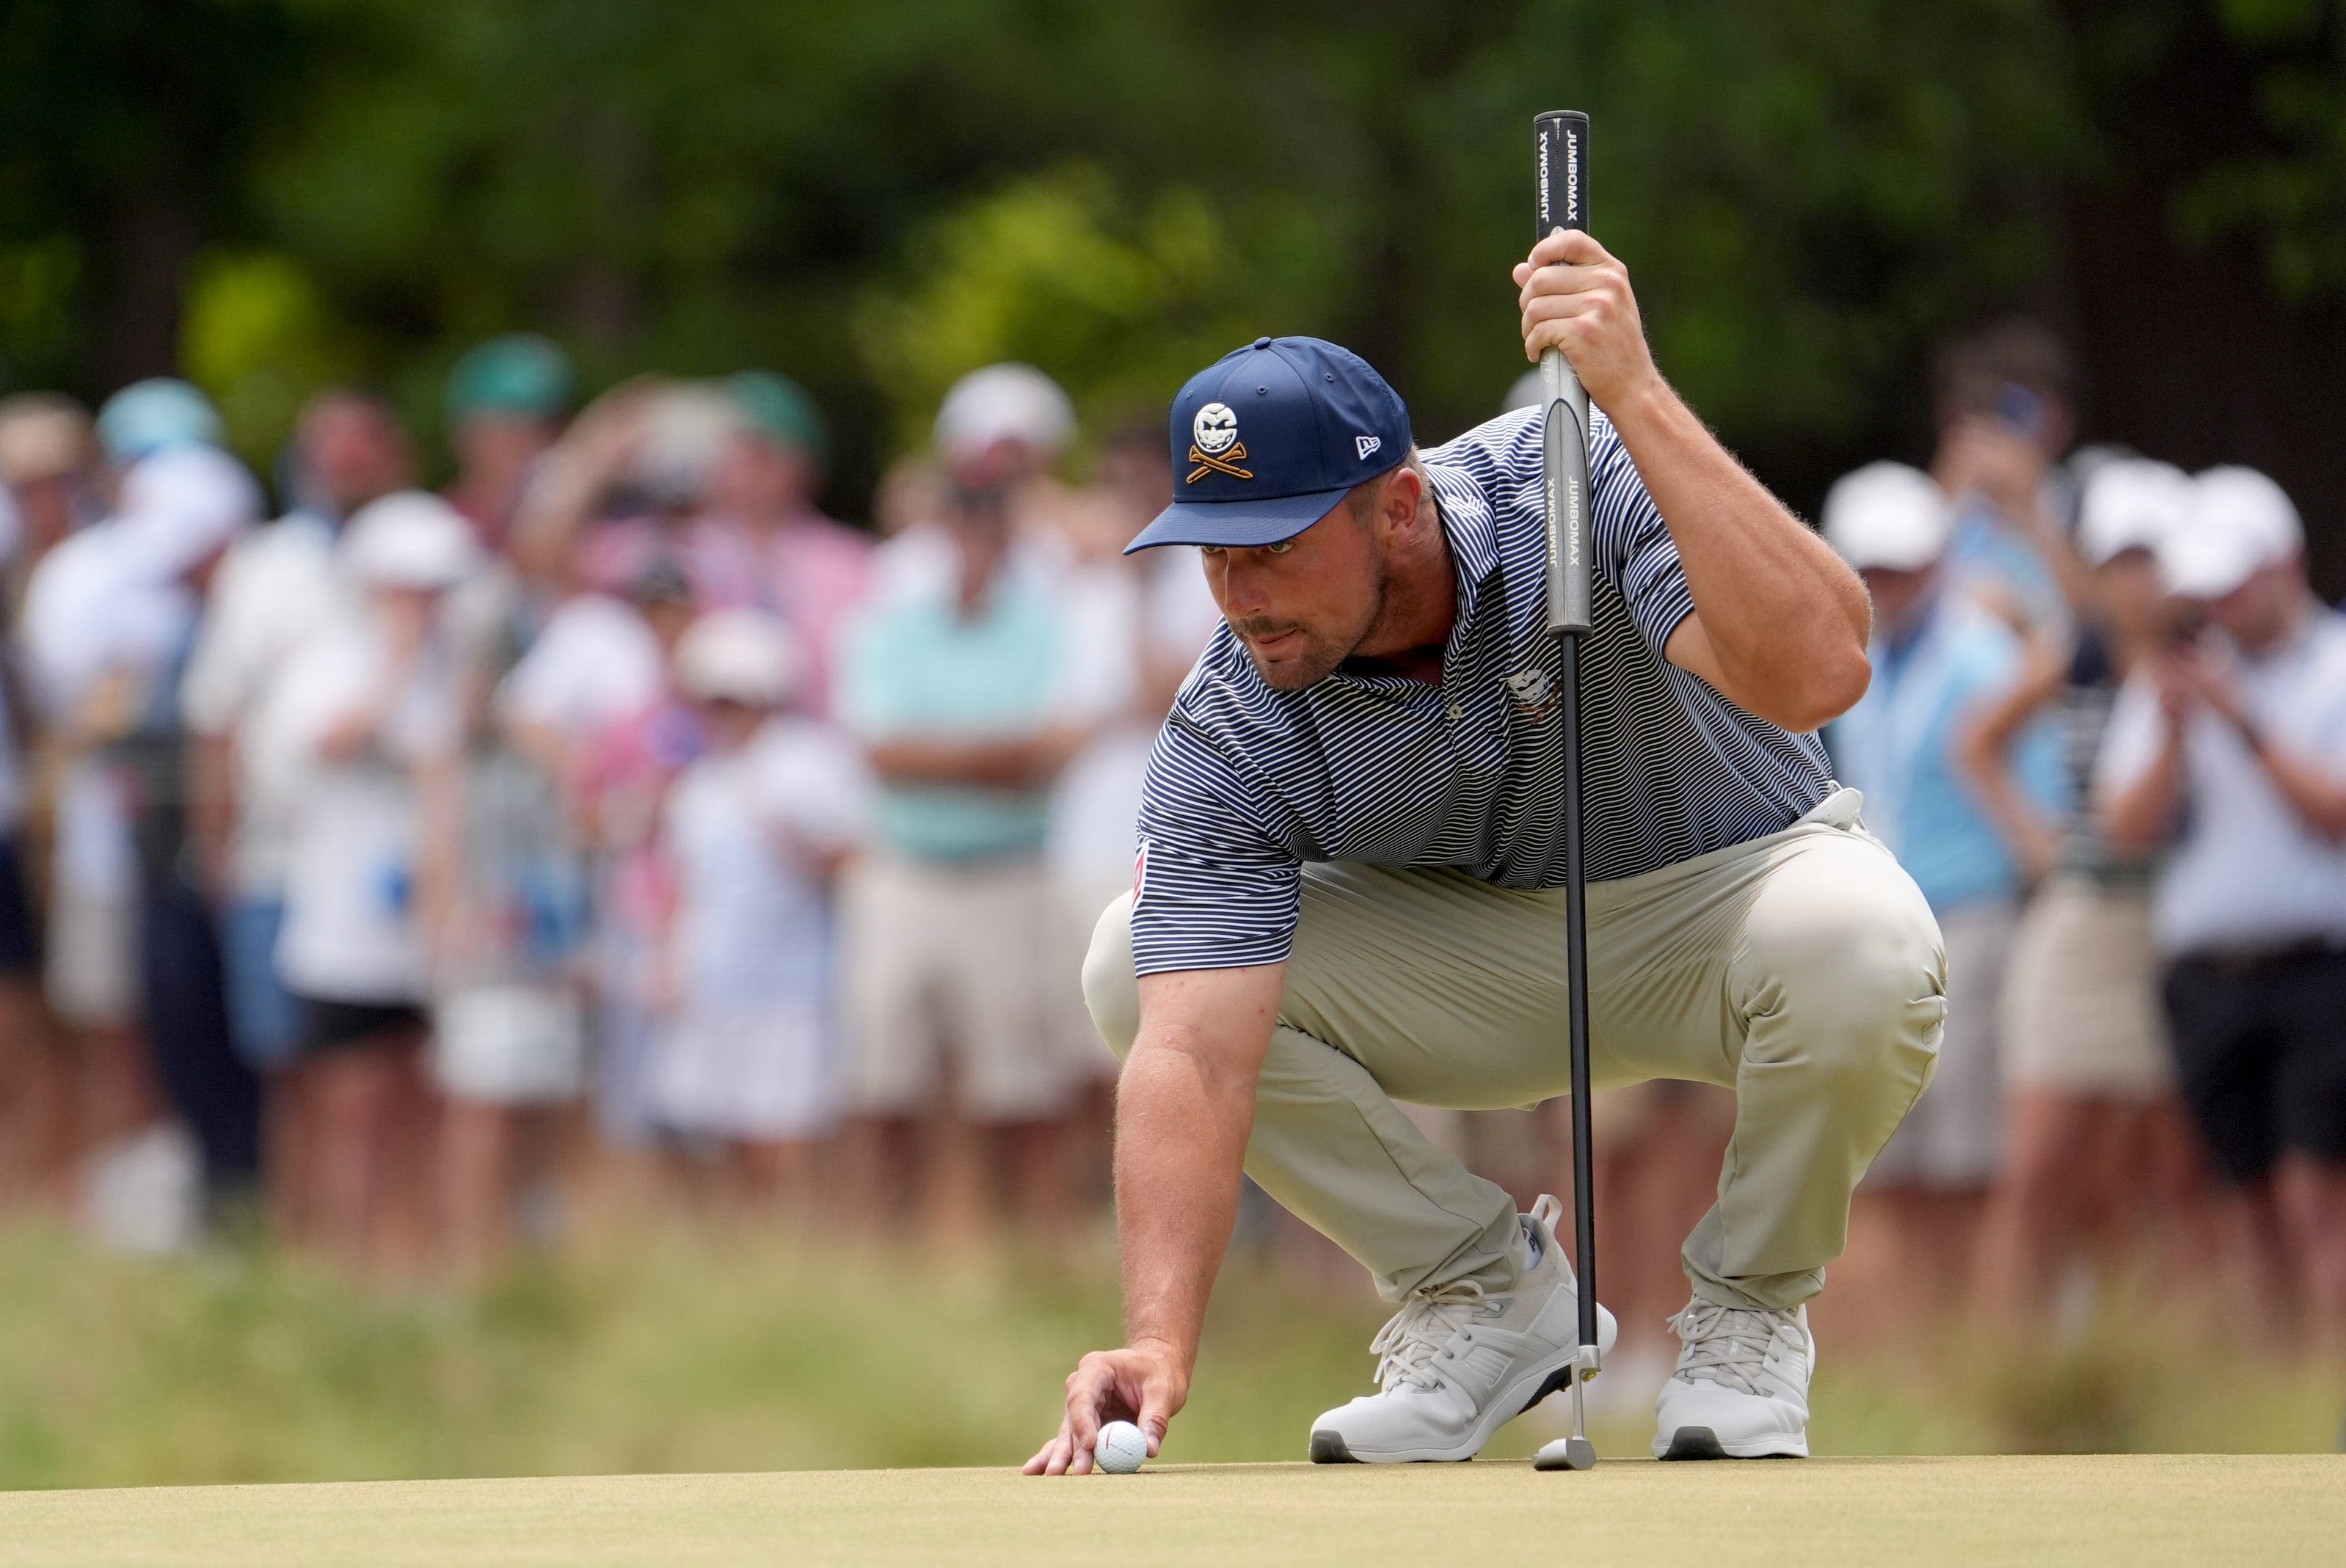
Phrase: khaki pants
pixel 1802 969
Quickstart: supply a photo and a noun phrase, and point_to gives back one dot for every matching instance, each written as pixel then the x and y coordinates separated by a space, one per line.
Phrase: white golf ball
pixel 1122 1448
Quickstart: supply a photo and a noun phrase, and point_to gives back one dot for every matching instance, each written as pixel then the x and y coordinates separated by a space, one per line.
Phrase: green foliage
pixel 1056 271
pixel 870 197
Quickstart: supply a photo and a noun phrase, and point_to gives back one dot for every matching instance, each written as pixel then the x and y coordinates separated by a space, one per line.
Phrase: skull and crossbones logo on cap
pixel 1215 445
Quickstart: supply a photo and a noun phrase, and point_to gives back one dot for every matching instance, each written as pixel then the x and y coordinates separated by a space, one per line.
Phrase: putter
pixel 1561 138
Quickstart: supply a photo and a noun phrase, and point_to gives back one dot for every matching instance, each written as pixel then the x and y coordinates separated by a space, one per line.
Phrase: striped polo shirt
pixel 1248 784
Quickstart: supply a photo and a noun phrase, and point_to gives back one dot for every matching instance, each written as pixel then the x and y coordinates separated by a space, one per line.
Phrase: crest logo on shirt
pixel 1533 690
pixel 1215 446
pixel 1139 874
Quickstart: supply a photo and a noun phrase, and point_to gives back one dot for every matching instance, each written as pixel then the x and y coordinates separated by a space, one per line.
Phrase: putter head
pixel 1566 1454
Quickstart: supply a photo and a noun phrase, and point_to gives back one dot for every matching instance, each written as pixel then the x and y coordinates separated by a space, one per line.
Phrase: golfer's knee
pixel 1111 990
pixel 1859 978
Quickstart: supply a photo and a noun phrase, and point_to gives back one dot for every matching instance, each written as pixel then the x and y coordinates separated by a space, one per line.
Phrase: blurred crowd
pixel 391 866
pixel 384 866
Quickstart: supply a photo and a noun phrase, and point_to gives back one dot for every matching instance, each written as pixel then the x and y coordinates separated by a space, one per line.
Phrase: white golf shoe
pixel 1456 1363
pixel 1741 1386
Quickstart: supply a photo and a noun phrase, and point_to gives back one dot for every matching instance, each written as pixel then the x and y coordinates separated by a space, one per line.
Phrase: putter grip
pixel 1561 201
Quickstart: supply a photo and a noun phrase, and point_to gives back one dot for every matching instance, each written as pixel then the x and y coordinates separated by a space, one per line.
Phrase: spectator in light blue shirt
pixel 1939 659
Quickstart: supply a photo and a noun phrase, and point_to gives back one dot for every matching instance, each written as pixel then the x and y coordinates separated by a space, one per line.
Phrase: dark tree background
pixel 273 194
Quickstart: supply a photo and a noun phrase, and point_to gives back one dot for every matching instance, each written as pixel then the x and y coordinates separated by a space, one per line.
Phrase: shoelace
pixel 1415 1337
pixel 1727 1344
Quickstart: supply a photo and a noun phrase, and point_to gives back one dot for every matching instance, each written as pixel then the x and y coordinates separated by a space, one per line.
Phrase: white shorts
pixel 966 965
pixel 1953 1137
pixel 2082 1014
pixel 761 1071
pixel 516 1045
pixel 91 972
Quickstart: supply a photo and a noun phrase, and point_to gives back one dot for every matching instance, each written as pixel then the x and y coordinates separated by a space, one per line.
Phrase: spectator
pixel 810 571
pixel 1142 620
pixel 46 490
pixel 2229 750
pixel 109 620
pixel 620 792
pixel 276 590
pixel 373 703
pixel 48 480
pixel 1938 661
pixel 2000 396
pixel 755 829
pixel 504 402
pixel 2095 1142
pixel 955 681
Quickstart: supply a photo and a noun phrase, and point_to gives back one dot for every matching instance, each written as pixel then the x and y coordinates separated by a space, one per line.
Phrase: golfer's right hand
pixel 1146 1384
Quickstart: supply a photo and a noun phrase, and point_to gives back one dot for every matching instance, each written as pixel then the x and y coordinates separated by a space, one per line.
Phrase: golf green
pixel 2089 1508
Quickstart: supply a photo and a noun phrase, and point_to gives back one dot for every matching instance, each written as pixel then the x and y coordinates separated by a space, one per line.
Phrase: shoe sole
pixel 1701 1443
pixel 1328 1446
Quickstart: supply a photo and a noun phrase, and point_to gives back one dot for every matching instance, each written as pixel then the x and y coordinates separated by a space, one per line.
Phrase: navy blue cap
pixel 1267 439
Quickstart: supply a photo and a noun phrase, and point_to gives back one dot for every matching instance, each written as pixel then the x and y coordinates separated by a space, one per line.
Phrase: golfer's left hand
pixel 1144 1383
pixel 1576 296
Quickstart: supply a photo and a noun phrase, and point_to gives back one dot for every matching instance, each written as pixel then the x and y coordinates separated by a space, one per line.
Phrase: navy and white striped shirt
pixel 1248 783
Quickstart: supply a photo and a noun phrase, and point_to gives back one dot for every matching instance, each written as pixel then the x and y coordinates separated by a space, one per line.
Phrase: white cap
pixel 182 504
pixel 743 656
pixel 410 540
pixel 2240 522
pixel 2131 504
pixel 1526 393
pixel 1889 515
pixel 1004 403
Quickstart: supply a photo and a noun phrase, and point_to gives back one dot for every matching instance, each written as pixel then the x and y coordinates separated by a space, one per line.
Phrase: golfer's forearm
pixel 1786 620
pixel 1180 1144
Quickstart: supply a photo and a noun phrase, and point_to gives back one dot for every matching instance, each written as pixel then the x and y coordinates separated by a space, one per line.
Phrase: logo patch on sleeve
pixel 1140 873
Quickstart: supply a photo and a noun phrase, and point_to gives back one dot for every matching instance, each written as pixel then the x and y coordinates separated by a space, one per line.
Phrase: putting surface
pixel 2092 1509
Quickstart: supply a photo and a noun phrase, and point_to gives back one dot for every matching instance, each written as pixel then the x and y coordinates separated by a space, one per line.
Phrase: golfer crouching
pixel 1349 886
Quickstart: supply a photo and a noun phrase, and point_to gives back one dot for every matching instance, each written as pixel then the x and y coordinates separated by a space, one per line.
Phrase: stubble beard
pixel 1315 655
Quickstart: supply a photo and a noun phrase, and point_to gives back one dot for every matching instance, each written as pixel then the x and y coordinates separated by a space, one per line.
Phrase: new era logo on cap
pixel 1300 402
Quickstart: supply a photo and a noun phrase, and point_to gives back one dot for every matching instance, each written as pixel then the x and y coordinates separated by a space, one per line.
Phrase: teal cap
pixel 520 373
pixel 147 416
pixel 779 409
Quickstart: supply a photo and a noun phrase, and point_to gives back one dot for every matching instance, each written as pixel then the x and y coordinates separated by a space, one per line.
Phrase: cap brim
pixel 1238 524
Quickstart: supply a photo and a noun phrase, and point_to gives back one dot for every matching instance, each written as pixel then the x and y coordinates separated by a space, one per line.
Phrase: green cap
pixel 520 373
pixel 779 409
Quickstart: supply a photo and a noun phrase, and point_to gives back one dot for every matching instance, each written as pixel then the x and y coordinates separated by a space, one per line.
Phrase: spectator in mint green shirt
pixel 960 685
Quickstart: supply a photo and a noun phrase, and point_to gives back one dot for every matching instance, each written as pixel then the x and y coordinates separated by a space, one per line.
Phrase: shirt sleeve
pixel 1212 887
pixel 1633 544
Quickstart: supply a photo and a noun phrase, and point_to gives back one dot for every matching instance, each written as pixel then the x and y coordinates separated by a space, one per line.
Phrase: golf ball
pixel 1122 1448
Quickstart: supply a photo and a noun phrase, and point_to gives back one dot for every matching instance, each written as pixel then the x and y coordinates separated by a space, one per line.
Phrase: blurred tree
pixel 1806 190
pixel 2289 188
pixel 126 132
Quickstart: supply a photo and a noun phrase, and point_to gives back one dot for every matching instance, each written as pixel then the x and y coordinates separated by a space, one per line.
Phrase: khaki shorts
pixel 2082 1014
pixel 966 965
pixel 1953 1137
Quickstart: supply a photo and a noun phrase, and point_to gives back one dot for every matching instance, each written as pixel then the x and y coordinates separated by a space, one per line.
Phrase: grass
pixel 684 1353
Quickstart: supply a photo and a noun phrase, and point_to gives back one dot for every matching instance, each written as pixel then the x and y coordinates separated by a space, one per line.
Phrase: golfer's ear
pixel 1405 509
